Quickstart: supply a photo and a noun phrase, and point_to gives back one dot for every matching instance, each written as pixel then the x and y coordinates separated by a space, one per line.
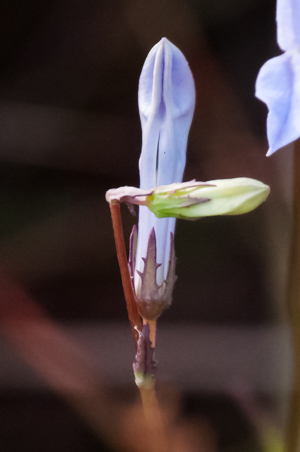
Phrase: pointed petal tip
pixel 275 147
pixel 164 41
pixel 270 152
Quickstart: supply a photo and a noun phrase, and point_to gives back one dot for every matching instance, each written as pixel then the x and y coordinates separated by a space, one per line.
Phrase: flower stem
pixel 152 412
pixel 152 327
pixel 293 423
pixel 154 419
pixel 133 314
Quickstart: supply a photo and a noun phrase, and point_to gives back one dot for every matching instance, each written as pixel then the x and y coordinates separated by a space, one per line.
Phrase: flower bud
pixel 192 200
pixel 166 104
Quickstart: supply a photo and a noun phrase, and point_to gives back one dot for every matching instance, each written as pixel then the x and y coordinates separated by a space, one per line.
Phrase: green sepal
pixel 218 197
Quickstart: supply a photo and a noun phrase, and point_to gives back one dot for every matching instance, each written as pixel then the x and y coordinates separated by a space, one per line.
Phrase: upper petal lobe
pixel 278 86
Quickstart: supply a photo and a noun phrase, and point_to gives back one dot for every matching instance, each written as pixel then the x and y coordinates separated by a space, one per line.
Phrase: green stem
pixel 293 424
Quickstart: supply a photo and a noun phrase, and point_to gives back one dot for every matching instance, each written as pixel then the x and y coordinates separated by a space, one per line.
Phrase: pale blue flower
pixel 166 103
pixel 278 82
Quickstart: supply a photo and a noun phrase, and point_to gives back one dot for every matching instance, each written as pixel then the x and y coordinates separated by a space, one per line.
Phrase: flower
pixel 166 104
pixel 278 82
pixel 186 200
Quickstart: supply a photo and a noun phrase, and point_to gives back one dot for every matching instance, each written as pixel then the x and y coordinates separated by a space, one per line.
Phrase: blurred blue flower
pixel 166 103
pixel 278 82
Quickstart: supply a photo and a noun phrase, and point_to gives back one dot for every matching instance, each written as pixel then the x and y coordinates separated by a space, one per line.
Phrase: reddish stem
pixel 133 314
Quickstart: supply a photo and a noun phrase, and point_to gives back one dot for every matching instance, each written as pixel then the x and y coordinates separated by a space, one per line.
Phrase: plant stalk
pixel 151 409
pixel 293 422
pixel 133 314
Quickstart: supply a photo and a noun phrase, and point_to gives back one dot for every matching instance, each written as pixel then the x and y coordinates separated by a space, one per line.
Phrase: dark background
pixel 69 131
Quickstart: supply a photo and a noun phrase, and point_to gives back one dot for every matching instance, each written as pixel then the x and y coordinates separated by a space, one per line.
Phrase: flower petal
pixel 277 85
pixel 166 104
pixel 288 20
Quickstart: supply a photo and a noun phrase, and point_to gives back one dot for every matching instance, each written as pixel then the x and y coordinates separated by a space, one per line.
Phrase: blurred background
pixel 69 131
